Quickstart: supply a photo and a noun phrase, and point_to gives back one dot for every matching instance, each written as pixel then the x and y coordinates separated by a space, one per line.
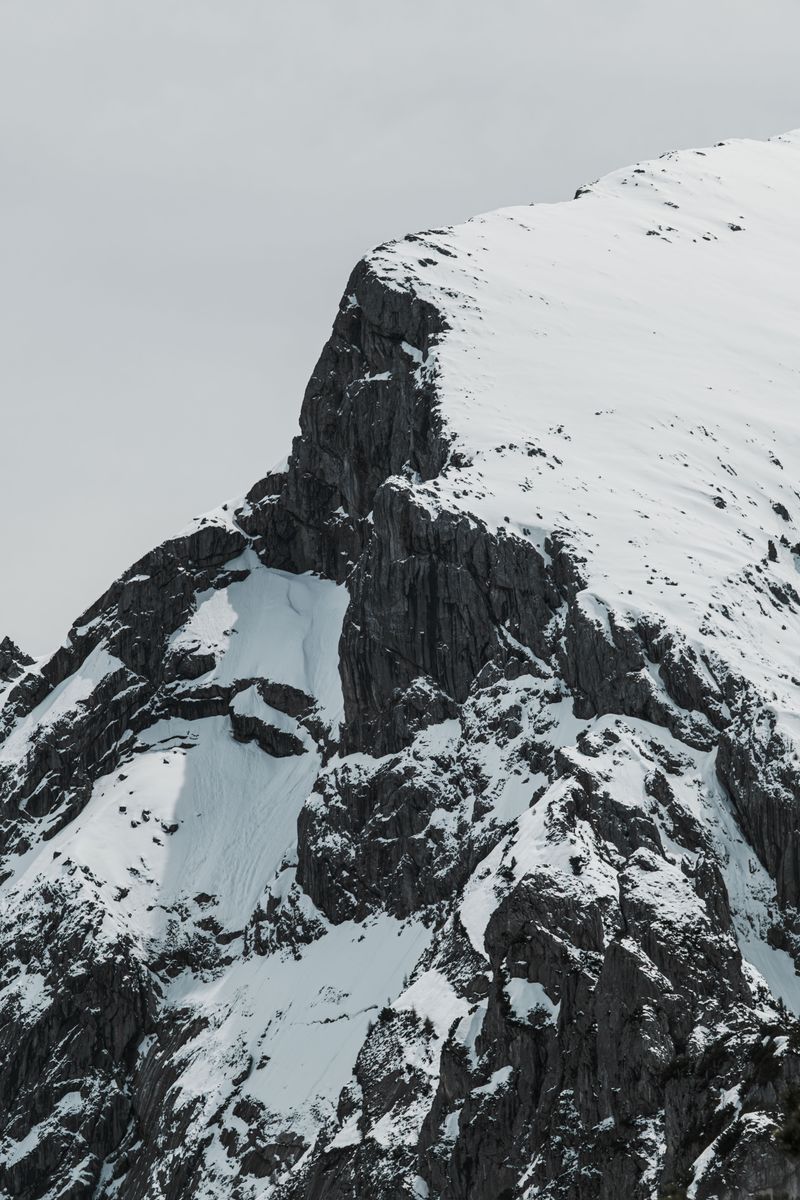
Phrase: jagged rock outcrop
pixel 427 823
pixel 13 661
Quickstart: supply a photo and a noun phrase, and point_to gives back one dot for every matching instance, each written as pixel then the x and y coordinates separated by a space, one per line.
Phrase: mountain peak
pixel 425 824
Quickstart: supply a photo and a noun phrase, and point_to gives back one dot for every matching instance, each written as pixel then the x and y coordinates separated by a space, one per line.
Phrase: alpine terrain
pixel 426 824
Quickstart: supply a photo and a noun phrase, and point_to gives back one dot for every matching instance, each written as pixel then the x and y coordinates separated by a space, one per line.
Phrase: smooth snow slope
pixel 626 367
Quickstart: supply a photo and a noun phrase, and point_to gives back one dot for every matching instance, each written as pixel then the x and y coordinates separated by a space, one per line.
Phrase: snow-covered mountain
pixel 426 824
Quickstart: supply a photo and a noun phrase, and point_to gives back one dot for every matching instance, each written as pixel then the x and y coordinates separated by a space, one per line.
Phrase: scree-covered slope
pixel 426 824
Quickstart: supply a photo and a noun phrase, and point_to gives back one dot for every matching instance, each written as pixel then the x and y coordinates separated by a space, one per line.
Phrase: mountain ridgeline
pixel 425 825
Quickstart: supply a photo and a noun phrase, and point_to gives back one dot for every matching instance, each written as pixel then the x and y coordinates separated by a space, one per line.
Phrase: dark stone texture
pixel 428 599
pixel 13 661
pixel 757 766
pixel 97 1001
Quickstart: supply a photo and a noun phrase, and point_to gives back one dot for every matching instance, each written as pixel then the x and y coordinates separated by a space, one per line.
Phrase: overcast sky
pixel 186 185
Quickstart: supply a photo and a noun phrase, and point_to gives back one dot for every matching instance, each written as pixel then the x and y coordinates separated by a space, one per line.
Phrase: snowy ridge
pixel 623 368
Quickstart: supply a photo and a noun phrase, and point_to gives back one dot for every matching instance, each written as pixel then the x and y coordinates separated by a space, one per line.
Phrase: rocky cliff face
pixel 425 824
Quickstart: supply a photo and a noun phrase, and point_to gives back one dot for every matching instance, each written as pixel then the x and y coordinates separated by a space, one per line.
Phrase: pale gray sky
pixel 187 183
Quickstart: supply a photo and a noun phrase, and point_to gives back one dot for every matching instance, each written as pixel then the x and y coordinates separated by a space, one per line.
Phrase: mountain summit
pixel 426 824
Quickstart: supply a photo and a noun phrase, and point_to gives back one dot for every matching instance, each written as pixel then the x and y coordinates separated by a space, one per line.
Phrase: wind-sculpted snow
pixel 624 368
pixel 427 823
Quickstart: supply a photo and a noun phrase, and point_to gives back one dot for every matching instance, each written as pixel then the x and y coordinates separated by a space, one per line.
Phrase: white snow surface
pixel 615 364
pixel 273 625
pixel 299 1022
pixel 528 998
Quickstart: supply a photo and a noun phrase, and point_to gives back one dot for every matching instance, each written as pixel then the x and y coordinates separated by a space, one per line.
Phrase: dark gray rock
pixel 757 766
pixel 13 661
